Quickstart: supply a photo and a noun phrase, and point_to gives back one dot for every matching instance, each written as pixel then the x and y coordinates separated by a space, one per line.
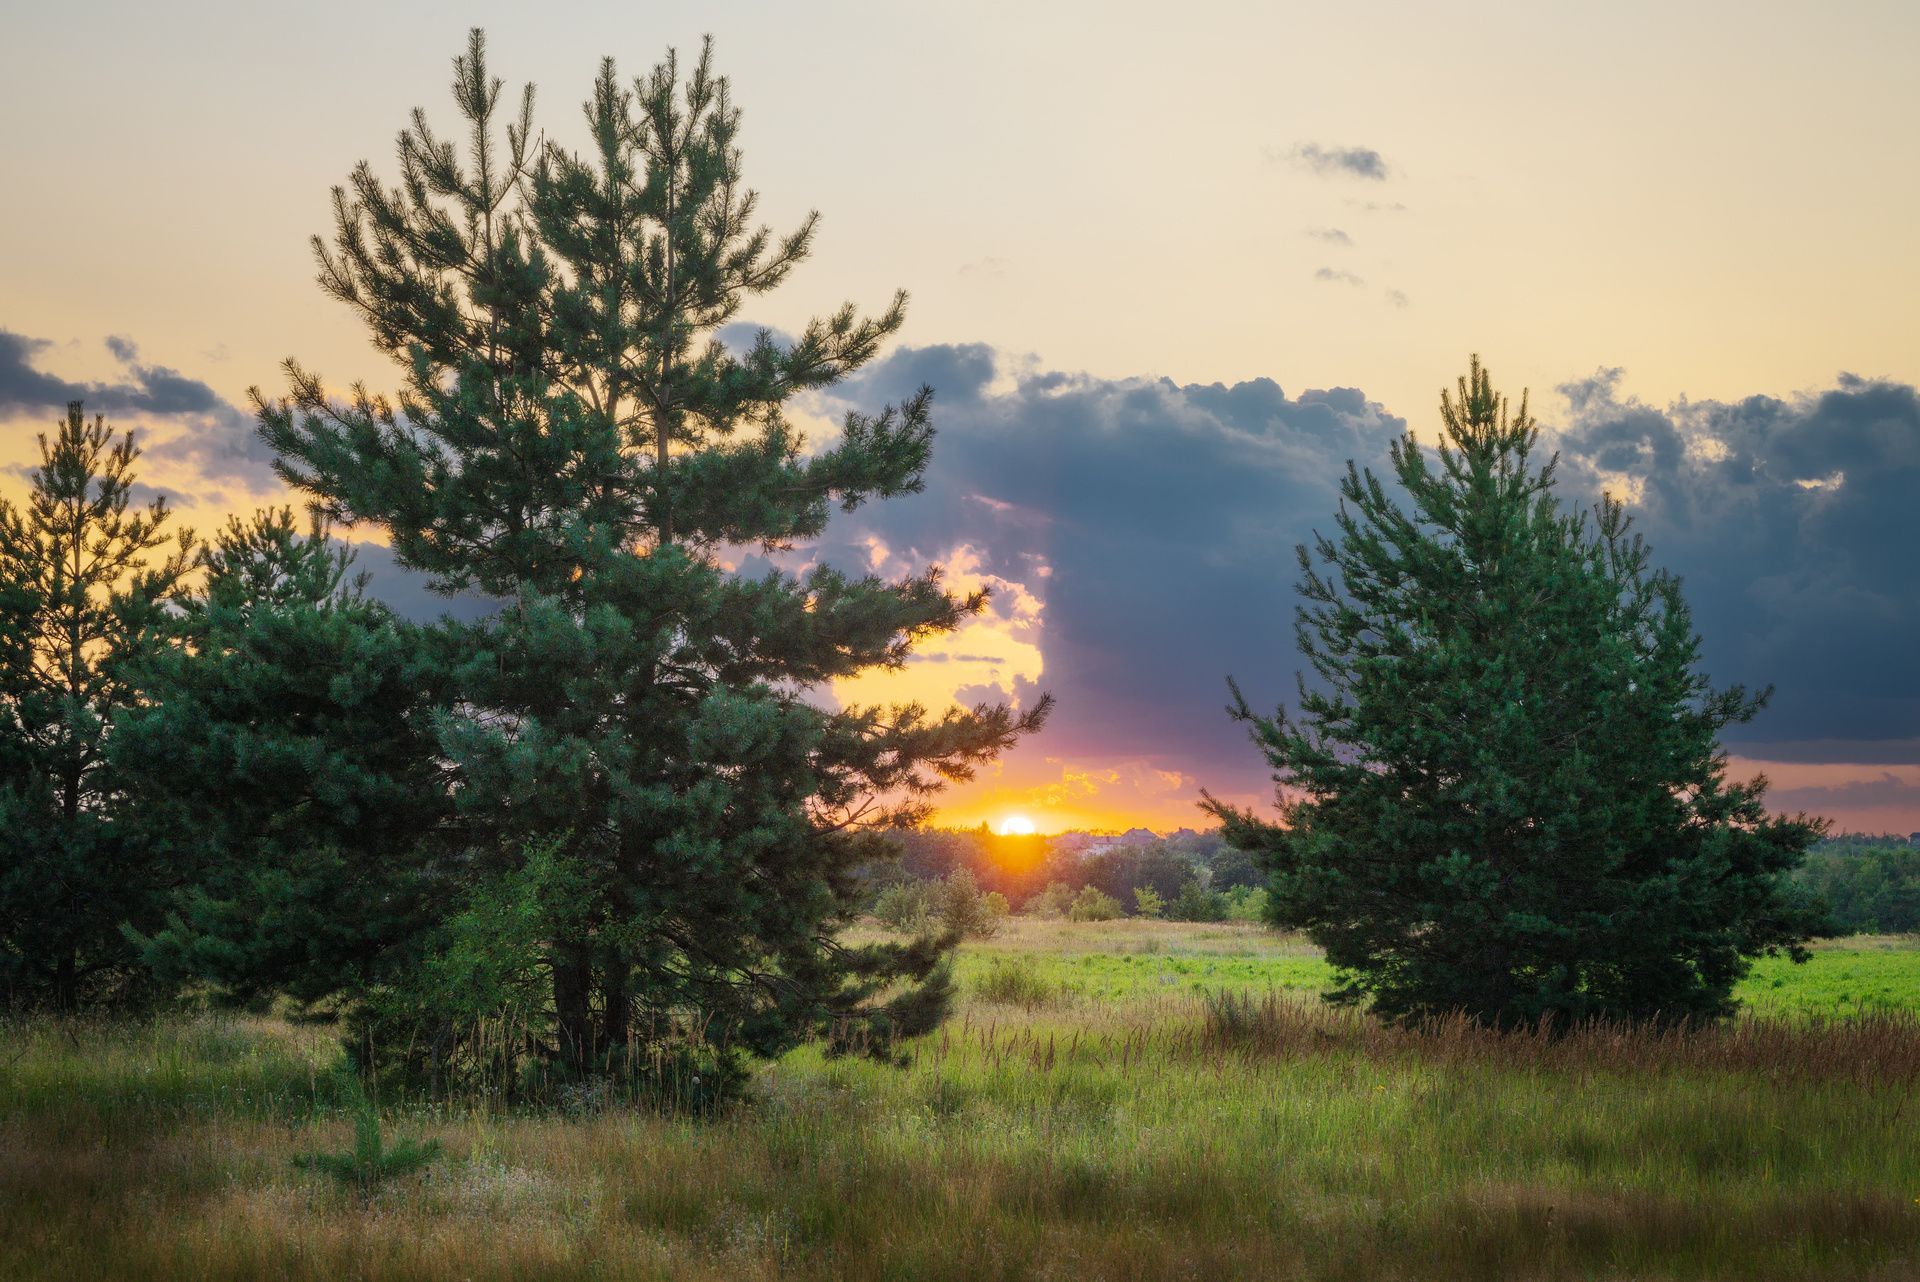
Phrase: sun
pixel 1016 826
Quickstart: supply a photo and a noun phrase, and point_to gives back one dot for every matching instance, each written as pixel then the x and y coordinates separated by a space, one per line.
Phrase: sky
pixel 1171 267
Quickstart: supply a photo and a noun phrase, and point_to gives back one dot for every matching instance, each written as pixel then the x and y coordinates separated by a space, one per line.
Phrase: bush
pixel 1092 904
pixel 1196 902
pixel 1147 902
pixel 904 906
pixel 1015 985
pixel 961 908
pixel 1248 903
pixel 1054 901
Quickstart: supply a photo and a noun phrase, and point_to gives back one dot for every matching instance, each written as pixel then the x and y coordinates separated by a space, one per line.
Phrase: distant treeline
pixel 1871 884
pixel 1192 876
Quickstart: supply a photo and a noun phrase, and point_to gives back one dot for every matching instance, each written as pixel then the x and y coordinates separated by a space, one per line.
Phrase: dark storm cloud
pixel 1168 516
pixel 1795 525
pixel 25 388
pixel 210 433
pixel 151 389
pixel 1166 513
pixel 1346 162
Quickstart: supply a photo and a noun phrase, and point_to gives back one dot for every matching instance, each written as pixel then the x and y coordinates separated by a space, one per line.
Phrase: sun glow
pixel 1015 826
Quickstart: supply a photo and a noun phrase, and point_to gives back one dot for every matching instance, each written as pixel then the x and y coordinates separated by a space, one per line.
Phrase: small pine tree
pixel 1507 794
pixel 85 600
pixel 371 1162
pixel 309 870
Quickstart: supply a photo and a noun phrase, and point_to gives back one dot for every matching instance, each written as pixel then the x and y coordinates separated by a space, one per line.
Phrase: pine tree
pixel 1505 794
pixel 84 600
pixel 573 438
pixel 287 764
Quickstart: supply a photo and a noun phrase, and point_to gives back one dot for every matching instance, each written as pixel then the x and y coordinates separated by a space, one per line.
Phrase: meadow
pixel 1111 1100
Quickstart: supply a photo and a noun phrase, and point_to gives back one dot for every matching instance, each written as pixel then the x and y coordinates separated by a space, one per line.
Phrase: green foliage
pixel 1054 901
pixel 1148 903
pixel 1154 865
pixel 1197 902
pixel 1247 903
pixel 955 905
pixel 1505 793
pixel 85 601
pixel 905 905
pixel 1093 904
pixel 371 1162
pixel 1868 889
pixel 572 438
pixel 309 869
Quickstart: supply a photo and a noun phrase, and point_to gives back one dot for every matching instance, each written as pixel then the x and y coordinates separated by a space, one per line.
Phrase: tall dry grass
pixel 1156 1137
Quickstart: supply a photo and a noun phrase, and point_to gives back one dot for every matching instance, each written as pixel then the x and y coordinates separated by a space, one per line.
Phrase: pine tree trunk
pixel 66 998
pixel 619 1002
pixel 573 1014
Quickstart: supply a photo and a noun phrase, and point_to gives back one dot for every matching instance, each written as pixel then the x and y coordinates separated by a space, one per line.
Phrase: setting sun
pixel 1015 826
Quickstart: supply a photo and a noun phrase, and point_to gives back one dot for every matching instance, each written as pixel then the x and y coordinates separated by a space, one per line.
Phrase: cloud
pixel 1331 235
pixel 191 424
pixel 1397 298
pixel 1792 524
pixel 1337 162
pixel 1152 523
pixel 989 267
pixel 151 389
pixel 1335 276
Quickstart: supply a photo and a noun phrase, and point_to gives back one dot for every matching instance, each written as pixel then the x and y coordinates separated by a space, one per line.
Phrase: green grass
pixel 1088 1119
pixel 1124 960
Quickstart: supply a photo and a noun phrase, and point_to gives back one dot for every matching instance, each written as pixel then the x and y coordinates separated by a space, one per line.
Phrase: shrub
pixel 1015 985
pixel 1248 903
pixel 1196 902
pixel 1147 902
pixel 1093 904
pixel 903 906
pixel 1054 901
pixel 960 907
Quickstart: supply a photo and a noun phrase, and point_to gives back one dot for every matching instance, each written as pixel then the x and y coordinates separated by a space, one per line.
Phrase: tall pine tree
pixel 85 593
pixel 634 726
pixel 1506 794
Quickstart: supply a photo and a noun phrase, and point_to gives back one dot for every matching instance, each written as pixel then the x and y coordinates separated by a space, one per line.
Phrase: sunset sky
pixel 1171 266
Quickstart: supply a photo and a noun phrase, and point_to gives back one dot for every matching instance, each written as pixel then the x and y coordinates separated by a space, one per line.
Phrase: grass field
pixel 1095 1110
